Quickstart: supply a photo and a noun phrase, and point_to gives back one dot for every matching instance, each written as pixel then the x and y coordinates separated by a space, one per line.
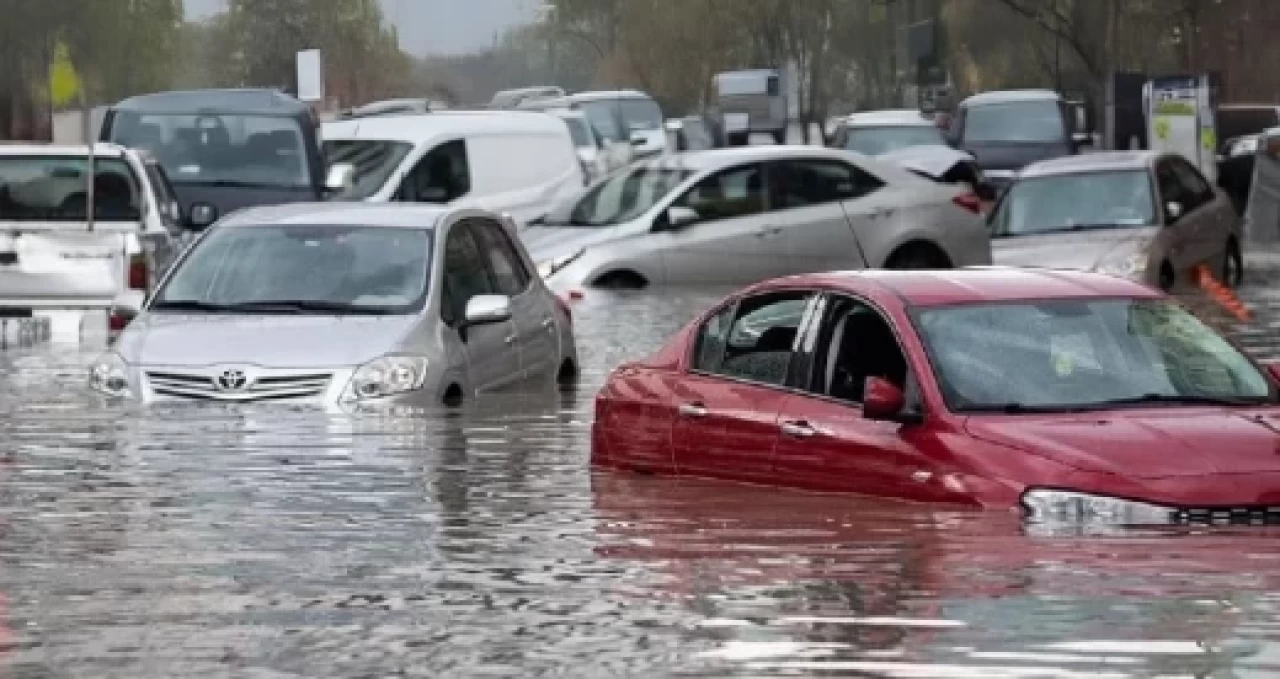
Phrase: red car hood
pixel 1146 444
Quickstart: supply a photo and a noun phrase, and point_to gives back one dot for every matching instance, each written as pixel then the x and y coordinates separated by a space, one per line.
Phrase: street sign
pixel 310 76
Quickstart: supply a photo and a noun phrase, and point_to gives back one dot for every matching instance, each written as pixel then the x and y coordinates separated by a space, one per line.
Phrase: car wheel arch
pixel 622 278
pixel 921 248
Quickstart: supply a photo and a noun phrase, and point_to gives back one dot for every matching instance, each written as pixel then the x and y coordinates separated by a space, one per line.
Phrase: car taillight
pixel 969 202
pixel 139 274
pixel 116 322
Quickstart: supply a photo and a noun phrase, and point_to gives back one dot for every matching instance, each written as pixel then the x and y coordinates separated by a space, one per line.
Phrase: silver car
pixel 343 304
pixel 1144 215
pixel 737 216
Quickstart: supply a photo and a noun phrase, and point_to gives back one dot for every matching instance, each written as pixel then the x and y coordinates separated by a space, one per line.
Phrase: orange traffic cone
pixel 1222 294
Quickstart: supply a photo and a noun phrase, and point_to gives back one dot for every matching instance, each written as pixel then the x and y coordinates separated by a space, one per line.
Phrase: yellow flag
pixel 64 81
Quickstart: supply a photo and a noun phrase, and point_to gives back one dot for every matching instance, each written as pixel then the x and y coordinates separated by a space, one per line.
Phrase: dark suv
pixel 1010 129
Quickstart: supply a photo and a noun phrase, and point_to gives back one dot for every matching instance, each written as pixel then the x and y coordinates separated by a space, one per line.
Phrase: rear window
pixel 55 188
pixel 873 141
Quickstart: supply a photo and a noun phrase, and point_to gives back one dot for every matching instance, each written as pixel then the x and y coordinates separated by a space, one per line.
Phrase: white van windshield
pixel 1020 121
pixel 373 159
pixel 55 189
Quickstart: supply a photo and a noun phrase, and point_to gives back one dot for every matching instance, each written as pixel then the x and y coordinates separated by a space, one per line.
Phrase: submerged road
pixel 275 543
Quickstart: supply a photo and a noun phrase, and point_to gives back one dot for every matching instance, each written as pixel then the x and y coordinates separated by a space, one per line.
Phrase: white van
pixel 626 116
pixel 514 162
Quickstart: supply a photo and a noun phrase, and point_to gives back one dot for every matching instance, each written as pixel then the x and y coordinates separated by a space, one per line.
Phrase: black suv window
pixel 738 192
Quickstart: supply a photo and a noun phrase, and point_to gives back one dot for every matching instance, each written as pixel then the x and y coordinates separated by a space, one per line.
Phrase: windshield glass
pixel 219 148
pixel 641 114
pixel 620 198
pixel 364 268
pixel 55 188
pixel 602 115
pixel 1081 353
pixel 374 161
pixel 578 130
pixel 1076 201
pixel 873 141
pixel 1021 121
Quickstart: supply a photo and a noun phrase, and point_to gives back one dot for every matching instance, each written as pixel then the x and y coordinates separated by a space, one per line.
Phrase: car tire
pixel 453 396
pixel 621 280
pixel 568 373
pixel 1233 265
pixel 918 257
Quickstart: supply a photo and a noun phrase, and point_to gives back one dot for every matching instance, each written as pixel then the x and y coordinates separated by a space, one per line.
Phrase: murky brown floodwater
pixel 273 543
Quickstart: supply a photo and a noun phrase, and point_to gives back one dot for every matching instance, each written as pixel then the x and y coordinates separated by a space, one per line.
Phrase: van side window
pixel 442 175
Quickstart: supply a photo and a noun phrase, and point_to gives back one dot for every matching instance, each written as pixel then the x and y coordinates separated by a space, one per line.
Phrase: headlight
pixel 548 268
pixel 1060 506
pixel 1127 267
pixel 387 376
pixel 109 375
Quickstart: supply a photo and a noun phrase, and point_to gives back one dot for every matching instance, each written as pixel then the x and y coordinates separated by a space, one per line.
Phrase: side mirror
pixel 882 400
pixel 341 177
pixel 1174 210
pixel 202 215
pixel 638 139
pixel 128 304
pixel 488 309
pixel 678 216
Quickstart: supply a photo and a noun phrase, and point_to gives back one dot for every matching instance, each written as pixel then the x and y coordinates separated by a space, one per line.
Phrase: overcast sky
pixel 432 26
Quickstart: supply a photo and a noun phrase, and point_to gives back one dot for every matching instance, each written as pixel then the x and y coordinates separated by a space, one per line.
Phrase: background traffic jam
pixel 404 253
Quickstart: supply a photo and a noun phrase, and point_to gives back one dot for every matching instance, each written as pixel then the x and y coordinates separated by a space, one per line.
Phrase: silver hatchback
pixel 340 304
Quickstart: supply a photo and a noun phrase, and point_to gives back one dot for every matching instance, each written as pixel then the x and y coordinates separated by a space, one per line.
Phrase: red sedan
pixel 1071 395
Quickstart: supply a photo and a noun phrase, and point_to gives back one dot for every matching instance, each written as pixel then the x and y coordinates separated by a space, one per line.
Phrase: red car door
pixel 726 406
pixel 824 441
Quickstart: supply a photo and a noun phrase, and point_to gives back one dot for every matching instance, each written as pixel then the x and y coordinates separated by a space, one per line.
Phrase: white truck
pixel 58 256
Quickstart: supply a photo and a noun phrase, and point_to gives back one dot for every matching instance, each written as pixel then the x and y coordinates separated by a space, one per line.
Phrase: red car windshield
pixel 1082 354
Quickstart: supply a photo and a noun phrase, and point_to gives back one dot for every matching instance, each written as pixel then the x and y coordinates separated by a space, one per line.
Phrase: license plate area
pixel 12 312
pixel 8 258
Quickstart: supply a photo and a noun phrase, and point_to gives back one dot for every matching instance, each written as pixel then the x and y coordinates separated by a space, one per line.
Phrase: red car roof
pixel 977 284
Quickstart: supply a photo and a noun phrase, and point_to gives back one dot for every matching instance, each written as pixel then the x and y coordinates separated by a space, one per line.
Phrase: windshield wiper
pixel 1019 408
pixel 238 183
pixel 319 306
pixel 293 306
pixel 1072 228
pixel 1175 399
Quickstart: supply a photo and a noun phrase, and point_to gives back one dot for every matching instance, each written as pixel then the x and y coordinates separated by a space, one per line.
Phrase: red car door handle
pixel 798 430
pixel 693 410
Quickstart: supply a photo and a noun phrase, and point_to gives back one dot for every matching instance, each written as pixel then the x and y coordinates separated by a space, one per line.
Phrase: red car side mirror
pixel 882 400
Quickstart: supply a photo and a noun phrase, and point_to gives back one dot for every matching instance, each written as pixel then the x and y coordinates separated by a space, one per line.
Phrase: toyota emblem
pixel 231 380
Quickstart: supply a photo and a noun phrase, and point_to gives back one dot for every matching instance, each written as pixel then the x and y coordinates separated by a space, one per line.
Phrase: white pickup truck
pixel 53 256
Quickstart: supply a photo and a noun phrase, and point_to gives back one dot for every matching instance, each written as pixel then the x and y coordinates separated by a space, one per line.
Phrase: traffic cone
pixel 1222 294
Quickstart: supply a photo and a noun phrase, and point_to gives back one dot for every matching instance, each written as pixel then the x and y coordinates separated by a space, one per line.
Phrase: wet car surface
pixel 269 542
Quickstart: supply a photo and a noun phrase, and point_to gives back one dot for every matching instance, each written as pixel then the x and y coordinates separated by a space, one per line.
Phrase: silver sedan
pixel 737 216
pixel 1144 215
pixel 343 305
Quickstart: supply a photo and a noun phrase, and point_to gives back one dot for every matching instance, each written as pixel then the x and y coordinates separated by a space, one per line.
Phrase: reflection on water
pixel 274 542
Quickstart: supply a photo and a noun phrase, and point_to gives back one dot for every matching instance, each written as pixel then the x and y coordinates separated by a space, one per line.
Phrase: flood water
pixel 276 543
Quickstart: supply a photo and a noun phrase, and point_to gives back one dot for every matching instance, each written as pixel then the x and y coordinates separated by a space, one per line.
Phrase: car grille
pixel 1243 515
pixel 265 387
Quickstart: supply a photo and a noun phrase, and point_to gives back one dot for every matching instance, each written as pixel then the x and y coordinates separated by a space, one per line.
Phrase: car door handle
pixel 769 232
pixel 693 410
pixel 798 430
pixel 882 212
pixel 510 339
pixel 549 323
